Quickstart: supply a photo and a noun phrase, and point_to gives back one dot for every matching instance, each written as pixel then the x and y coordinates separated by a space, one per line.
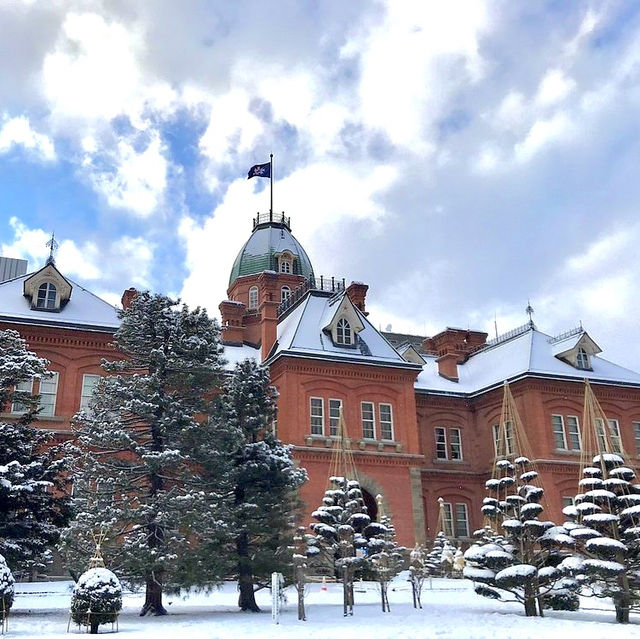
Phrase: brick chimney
pixel 448 366
pixel 458 341
pixel 127 297
pixel 232 328
pixel 268 326
pixel 357 292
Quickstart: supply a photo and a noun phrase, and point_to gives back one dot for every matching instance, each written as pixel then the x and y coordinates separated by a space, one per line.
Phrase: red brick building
pixel 420 412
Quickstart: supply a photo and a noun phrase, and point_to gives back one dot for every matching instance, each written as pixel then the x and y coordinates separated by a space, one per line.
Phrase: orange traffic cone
pixel 324 584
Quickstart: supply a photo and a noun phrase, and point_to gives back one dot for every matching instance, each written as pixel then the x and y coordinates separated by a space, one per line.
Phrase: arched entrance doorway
pixel 370 503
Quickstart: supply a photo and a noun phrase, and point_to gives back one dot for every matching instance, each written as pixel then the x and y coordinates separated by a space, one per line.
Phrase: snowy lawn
pixel 450 609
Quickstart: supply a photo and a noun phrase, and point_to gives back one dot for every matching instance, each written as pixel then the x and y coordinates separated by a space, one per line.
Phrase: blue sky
pixel 460 157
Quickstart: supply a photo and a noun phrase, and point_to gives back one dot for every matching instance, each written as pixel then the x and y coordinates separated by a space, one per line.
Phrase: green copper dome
pixel 259 253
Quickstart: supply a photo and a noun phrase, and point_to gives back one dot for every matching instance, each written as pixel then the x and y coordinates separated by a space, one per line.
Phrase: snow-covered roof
pixel 84 310
pixel 234 354
pixel 529 353
pixel 301 334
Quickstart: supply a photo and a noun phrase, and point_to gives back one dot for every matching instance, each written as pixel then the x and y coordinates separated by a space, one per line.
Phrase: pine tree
pixel 522 563
pixel 262 480
pixel 136 480
pixel 440 557
pixel 384 555
pixel 33 503
pixel 342 520
pixel 605 522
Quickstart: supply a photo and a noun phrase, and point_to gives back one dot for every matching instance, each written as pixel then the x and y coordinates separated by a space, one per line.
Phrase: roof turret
pixel 271 237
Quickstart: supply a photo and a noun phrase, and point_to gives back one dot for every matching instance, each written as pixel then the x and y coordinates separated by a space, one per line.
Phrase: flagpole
pixel 271 178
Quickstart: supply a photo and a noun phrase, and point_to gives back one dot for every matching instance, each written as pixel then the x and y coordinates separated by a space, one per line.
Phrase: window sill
pixel 39 418
pixel 449 461
pixel 567 451
pixel 363 444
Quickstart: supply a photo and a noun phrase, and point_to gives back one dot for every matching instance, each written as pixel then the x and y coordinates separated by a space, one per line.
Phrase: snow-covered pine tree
pixel 440 557
pixel 6 592
pixel 418 572
pixel 384 555
pixel 522 563
pixel 135 478
pixel 340 532
pixel 262 479
pixel 605 517
pixel 96 599
pixel 33 504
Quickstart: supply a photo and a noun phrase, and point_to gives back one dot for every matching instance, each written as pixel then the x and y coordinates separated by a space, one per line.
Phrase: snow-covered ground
pixel 450 609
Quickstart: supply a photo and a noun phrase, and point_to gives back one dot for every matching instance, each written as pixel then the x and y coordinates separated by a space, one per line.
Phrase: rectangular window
pixel 334 415
pixel 368 420
pixel 462 521
pixel 48 392
pixel 567 501
pixel 602 440
pixel 386 422
pixel 616 440
pixel 317 416
pixel 455 443
pixel 558 432
pixel 447 519
pixel 573 426
pixel 636 434
pixel 89 384
pixel 25 386
pixel 441 443
pixel 503 441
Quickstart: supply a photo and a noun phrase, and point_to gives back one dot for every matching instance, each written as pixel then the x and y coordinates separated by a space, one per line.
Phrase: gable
pixel 576 350
pixel 345 315
pixel 41 287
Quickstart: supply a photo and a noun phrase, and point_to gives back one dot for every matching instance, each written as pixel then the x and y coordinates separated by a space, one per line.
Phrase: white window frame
pixel 462 523
pixel 573 430
pixel 636 434
pixel 615 435
pixel 48 303
pixel 24 386
pixel 582 360
pixel 316 415
pixel 285 265
pixel 559 432
pixel 49 409
pixel 567 500
pixel 334 415
pixel 382 422
pixel 253 298
pixel 440 435
pixel 371 422
pixel 455 456
pixel 344 332
pixel 600 433
pixel 508 438
pixel 85 395
pixel 285 294
pixel 447 519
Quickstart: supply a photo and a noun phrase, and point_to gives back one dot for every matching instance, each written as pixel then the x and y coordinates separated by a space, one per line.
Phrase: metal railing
pixel 558 338
pixel 511 334
pixel 277 218
pixel 321 283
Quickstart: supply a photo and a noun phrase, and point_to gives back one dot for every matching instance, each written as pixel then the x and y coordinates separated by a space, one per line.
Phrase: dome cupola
pixel 271 247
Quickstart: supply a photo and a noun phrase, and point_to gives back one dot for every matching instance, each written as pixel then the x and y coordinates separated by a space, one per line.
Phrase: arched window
pixel 285 293
pixel 46 296
pixel 343 332
pixel 285 266
pixel 253 297
pixel 582 359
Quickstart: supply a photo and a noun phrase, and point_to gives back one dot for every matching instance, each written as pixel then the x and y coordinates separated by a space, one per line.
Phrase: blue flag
pixel 260 170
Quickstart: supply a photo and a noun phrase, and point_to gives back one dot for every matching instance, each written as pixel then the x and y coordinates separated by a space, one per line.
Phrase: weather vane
pixel 529 312
pixel 52 245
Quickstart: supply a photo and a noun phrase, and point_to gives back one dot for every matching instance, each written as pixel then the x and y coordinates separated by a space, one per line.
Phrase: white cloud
pixel 18 132
pixel 138 179
pixel 554 87
pixel 541 134
pixel 599 253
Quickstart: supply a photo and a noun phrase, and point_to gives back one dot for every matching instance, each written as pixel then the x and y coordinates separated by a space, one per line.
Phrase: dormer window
pixel 343 332
pixel 253 298
pixel 285 293
pixel 582 359
pixel 285 265
pixel 46 296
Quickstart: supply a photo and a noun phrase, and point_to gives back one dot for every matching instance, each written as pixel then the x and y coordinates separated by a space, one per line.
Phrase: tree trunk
pixel 530 607
pixel 153 597
pixel 300 582
pixel 93 625
pixel 246 598
pixel 622 613
pixel 622 600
